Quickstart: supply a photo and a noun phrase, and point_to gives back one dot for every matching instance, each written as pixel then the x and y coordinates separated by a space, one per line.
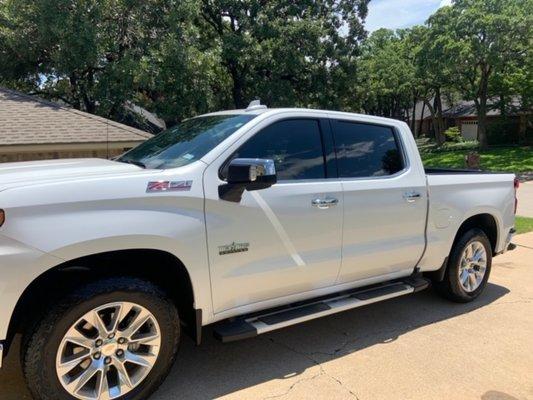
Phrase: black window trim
pixel 397 139
pixel 327 132
pixel 322 127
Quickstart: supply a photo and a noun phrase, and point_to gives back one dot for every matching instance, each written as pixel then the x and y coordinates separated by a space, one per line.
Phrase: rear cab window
pixel 366 150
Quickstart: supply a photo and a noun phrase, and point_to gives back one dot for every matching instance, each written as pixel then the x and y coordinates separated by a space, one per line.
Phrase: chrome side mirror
pixel 247 174
pixel 251 170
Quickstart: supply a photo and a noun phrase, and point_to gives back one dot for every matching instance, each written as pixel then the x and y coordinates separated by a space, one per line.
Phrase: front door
pixel 277 241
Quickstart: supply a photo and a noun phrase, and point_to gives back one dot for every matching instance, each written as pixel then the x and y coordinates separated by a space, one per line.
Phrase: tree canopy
pixel 477 39
pixel 179 58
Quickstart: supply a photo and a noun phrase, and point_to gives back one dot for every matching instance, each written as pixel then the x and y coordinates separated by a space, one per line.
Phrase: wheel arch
pixel 160 267
pixel 487 222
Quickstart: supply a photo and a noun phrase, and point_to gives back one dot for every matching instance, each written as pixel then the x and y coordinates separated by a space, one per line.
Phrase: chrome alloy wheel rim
pixel 473 266
pixel 108 352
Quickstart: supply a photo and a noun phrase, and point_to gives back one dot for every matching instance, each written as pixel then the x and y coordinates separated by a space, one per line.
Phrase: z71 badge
pixel 167 186
pixel 233 248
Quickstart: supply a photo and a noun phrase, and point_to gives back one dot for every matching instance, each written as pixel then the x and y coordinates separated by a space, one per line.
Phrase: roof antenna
pixel 255 105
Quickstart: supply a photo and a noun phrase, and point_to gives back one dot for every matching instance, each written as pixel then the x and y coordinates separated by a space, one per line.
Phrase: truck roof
pixel 264 109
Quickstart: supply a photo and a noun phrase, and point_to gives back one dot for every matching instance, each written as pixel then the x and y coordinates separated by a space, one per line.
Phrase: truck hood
pixel 36 172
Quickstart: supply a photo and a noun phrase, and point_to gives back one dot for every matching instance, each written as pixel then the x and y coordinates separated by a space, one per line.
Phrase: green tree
pixel 386 75
pixel 476 39
pixel 433 76
pixel 96 54
pixel 287 52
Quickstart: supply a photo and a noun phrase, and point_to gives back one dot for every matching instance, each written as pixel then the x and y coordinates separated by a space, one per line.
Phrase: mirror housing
pixel 251 171
pixel 249 174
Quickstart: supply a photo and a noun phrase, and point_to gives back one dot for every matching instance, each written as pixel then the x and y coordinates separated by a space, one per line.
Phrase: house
pixel 35 129
pixel 514 127
pixel 423 121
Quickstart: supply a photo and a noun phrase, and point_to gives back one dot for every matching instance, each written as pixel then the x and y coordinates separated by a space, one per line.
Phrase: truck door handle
pixel 324 203
pixel 411 197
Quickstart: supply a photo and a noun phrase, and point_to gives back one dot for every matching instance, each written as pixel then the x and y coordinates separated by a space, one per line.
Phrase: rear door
pixel 286 244
pixel 384 200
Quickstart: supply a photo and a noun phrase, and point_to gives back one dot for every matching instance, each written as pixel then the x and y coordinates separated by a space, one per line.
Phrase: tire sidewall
pixel 55 326
pixel 473 235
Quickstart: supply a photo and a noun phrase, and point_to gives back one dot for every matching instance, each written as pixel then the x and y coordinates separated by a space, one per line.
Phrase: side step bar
pixel 250 326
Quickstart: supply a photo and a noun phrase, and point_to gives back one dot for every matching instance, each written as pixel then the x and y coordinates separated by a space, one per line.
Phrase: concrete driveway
pixel 525 199
pixel 415 347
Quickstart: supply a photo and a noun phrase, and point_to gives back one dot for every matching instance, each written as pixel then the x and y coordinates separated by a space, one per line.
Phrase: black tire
pixel 450 287
pixel 39 355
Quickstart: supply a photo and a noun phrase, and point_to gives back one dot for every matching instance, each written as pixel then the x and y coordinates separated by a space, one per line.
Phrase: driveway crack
pixel 322 371
pixel 277 396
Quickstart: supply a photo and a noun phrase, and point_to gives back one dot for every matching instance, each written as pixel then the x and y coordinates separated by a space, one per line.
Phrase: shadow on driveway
pixel 215 369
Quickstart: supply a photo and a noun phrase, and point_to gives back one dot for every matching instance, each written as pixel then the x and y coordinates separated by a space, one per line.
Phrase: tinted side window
pixel 295 146
pixel 365 150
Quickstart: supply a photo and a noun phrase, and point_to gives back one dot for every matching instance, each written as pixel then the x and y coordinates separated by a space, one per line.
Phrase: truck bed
pixel 456 171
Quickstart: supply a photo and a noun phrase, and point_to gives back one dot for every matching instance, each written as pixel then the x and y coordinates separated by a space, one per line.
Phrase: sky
pixel 394 14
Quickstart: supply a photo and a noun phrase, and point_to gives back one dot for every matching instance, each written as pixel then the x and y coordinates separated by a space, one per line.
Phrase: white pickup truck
pixel 251 220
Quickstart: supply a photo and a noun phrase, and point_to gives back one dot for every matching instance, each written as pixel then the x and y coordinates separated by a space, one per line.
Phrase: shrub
pixel 432 147
pixel 453 134
pixel 503 131
pixel 464 145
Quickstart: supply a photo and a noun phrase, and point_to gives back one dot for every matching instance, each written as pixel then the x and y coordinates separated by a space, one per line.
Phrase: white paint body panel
pixel 61 210
pixel 294 247
pixel 74 216
pixel 383 232
pixel 454 199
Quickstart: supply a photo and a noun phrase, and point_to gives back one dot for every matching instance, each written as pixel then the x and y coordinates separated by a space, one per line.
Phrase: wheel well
pixel 156 266
pixel 486 223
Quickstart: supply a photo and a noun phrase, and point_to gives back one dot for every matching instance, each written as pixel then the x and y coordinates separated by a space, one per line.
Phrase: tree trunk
pixel 238 84
pixel 421 125
pixel 482 124
pixel 439 128
pixel 439 138
pixel 238 93
pixel 522 129
pixel 90 105
pixel 413 117
pixel 481 106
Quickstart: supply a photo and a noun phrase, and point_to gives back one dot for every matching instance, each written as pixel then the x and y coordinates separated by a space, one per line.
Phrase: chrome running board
pixel 253 325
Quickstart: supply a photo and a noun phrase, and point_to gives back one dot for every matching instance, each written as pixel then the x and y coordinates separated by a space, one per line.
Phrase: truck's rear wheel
pixel 468 267
pixel 113 339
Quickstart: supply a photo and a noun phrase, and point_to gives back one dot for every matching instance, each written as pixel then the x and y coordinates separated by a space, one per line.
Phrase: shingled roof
pixel 27 119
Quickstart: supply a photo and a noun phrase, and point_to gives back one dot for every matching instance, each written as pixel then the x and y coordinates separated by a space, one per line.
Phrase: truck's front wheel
pixel 113 339
pixel 468 267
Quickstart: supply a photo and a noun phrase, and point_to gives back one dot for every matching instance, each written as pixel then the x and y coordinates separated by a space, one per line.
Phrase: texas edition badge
pixel 233 248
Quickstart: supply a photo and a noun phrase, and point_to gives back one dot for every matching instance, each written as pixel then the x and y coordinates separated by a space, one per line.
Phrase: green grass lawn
pixel 505 159
pixel 523 225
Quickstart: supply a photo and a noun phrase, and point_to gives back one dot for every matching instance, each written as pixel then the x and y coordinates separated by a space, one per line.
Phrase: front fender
pixel 69 231
pixel 19 266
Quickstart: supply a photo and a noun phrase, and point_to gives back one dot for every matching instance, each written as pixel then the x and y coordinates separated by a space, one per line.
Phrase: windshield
pixel 185 142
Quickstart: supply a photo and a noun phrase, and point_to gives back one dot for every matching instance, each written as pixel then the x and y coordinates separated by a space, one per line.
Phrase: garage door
pixel 469 130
